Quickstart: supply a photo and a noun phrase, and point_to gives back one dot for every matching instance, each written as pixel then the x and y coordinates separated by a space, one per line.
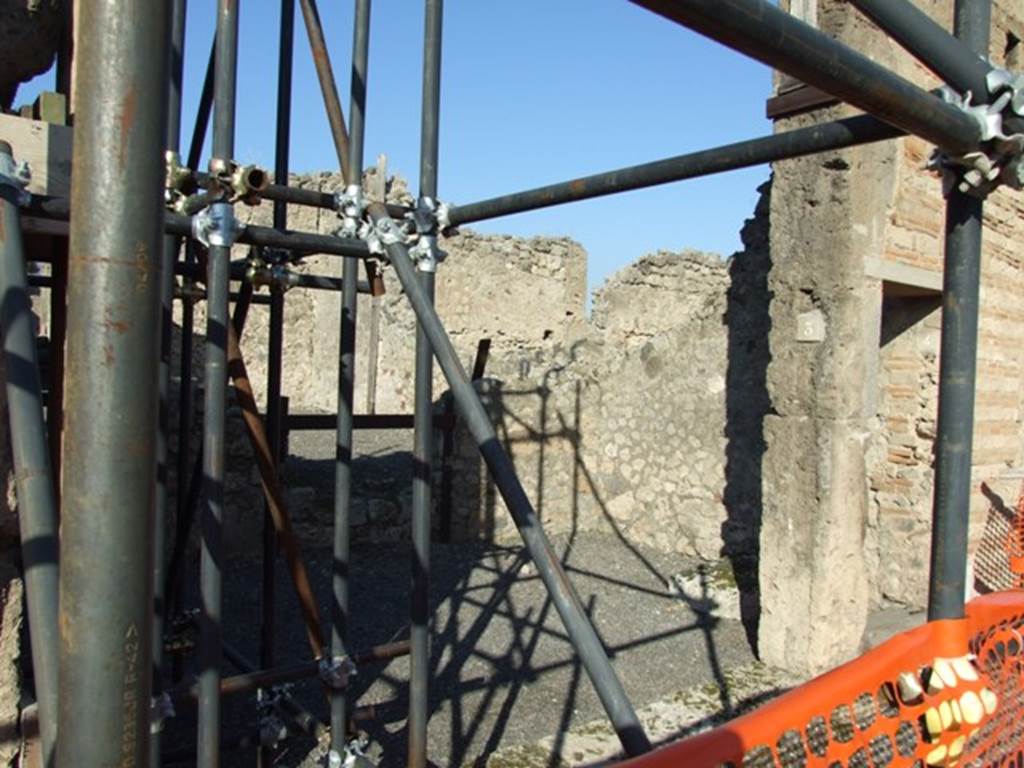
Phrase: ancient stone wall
pixel 484 289
pixel 649 424
pixel 857 256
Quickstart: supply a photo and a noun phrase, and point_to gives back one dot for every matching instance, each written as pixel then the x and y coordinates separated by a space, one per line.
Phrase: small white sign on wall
pixel 805 10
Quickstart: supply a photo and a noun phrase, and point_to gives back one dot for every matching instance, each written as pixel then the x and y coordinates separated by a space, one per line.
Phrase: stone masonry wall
pixel 649 425
pixel 623 428
pixel 856 244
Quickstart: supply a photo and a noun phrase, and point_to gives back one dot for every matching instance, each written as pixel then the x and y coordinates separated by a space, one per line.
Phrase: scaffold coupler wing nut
pixel 999 160
pixel 336 671
pixel 161 708
pixel 217 225
pixel 14 178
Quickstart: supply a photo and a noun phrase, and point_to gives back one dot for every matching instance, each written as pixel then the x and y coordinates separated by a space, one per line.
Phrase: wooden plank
pixel 800 99
pixel 47 149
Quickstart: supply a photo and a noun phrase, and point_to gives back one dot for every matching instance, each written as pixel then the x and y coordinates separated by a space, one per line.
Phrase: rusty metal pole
pixel 109 459
pixel 328 87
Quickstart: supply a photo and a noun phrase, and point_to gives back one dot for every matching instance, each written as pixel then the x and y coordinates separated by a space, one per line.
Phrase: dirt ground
pixel 503 674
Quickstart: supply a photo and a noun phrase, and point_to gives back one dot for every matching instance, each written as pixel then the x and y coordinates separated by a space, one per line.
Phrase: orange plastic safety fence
pixel 1015 543
pixel 947 693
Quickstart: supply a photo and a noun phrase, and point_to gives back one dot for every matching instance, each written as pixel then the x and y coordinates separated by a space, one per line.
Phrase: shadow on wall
pixel 748 320
pixel 548 428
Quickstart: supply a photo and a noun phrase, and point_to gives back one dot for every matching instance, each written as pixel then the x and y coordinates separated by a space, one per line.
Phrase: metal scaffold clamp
pixel 427 219
pixel 268 268
pixel 335 672
pixel 381 234
pixel 270 727
pixel 178 181
pixel 14 178
pixel 1000 161
pixel 354 756
pixel 239 182
pixel 351 205
pixel 161 709
pixel 217 225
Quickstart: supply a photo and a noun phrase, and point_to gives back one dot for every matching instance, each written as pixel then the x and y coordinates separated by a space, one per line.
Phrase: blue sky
pixel 533 92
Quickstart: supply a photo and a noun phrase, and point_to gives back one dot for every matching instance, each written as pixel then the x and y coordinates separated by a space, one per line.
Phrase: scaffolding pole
pixel 584 638
pixel 109 458
pixel 171 245
pixel 340 576
pixel 275 344
pixel 958 362
pixel 423 429
pixel 37 500
pixel 848 132
pixel 215 402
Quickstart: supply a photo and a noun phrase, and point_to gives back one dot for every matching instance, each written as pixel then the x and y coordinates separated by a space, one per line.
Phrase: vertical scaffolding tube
pixel 37 502
pixel 581 632
pixel 109 461
pixel 171 245
pixel 215 402
pixel 346 386
pixel 957 370
pixel 276 336
pixel 423 428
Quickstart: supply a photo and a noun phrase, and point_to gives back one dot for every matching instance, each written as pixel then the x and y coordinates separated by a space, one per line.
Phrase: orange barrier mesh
pixel 944 694
pixel 1015 543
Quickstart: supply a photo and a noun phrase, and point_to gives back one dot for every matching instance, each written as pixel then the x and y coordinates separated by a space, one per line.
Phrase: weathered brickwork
pixel 901 476
pixel 860 242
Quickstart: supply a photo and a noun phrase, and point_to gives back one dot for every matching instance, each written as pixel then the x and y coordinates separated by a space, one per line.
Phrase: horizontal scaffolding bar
pixel 850 132
pixel 309 422
pixel 762 31
pixel 239 272
pixel 312 198
pixel 267 678
pixel 175 224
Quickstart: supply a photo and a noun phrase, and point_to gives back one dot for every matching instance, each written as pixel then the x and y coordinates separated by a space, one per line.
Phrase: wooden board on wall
pixel 47 149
